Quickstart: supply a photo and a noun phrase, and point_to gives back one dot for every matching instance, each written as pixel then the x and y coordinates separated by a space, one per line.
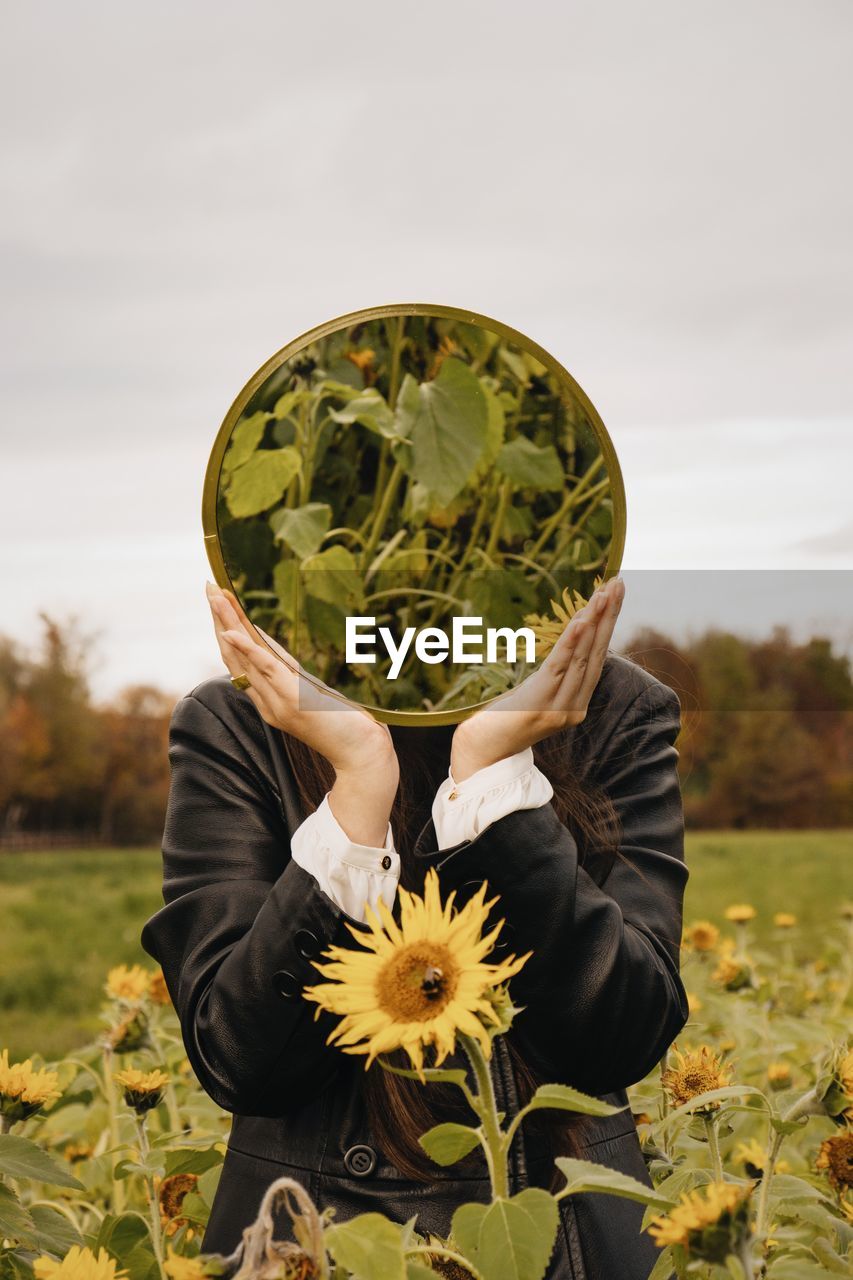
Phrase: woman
pixel 277 831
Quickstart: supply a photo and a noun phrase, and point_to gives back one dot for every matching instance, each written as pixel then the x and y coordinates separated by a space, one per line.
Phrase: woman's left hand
pixel 556 695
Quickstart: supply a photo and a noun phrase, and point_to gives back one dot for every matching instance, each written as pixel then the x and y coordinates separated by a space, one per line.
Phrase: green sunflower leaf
pixel 262 481
pixel 585 1175
pixel 369 1247
pixel 447 1143
pixel 20 1158
pixel 510 1239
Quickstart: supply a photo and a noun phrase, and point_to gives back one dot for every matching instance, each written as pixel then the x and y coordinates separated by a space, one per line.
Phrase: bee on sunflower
pixel 420 983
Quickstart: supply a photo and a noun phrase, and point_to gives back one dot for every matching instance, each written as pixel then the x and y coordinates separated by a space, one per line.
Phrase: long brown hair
pixel 399 1109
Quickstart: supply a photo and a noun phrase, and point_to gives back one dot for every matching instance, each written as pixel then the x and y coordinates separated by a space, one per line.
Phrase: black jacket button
pixel 307 943
pixel 360 1161
pixel 286 984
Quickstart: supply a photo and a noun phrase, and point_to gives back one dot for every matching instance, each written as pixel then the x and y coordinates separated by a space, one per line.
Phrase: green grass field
pixel 69 916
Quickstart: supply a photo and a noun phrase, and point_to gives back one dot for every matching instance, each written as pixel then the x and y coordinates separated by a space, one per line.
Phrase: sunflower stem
pixel 714 1145
pixel 151 1192
pixel 115 1136
pixel 494 1140
pixel 804 1106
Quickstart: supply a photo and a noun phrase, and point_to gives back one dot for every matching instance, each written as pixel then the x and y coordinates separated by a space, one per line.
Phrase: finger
pixel 224 612
pixel 216 603
pixel 229 657
pixel 567 695
pixel 576 631
pixel 237 610
pixel 604 632
pixel 281 651
pixel 276 684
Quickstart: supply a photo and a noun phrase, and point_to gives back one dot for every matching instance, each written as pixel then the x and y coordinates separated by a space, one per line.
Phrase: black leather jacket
pixel 602 994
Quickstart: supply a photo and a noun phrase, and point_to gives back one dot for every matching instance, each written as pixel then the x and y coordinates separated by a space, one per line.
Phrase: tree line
pixel 765 739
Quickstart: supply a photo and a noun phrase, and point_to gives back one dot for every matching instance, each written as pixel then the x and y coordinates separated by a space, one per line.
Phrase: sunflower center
pixel 841 1160
pixel 418 982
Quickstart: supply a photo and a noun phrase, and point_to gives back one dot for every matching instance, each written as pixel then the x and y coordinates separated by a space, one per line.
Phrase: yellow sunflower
pixel 179 1267
pixel 23 1089
pixel 784 920
pixel 732 973
pixel 741 913
pixel 753 1157
pixel 702 935
pixel 128 982
pixel 778 1075
pixel 142 1090
pixel 697 1071
pixel 418 983
pixel 78 1264
pixel 709 1223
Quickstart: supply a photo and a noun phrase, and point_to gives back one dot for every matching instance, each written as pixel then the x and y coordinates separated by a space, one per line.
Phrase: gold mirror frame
pixel 232 417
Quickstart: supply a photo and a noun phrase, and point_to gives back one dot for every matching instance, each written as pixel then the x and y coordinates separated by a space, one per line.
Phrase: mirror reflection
pixel 411 503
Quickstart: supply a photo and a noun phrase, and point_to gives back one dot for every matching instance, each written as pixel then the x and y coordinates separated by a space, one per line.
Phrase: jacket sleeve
pixel 240 925
pixel 602 994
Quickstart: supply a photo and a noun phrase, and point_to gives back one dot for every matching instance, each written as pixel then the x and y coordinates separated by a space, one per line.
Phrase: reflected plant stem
pixel 495 534
pixel 382 469
pixel 578 525
pixel 382 514
pixel 394 377
pixel 569 500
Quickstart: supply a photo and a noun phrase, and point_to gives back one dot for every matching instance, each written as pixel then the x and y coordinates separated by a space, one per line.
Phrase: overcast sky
pixel 660 194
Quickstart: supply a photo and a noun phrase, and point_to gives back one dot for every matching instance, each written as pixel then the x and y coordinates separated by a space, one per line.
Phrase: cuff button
pixel 386 862
pixel 286 984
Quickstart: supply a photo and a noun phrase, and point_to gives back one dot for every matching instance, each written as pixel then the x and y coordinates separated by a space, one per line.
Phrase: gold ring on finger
pixel 241 681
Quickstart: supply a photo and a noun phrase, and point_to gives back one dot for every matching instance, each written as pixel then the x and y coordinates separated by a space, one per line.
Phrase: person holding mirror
pixel 290 808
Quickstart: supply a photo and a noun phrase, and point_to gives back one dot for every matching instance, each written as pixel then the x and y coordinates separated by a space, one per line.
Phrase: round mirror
pixel 411 501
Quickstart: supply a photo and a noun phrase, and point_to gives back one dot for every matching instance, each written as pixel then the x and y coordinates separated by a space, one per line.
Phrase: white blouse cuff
pixel 463 810
pixel 350 874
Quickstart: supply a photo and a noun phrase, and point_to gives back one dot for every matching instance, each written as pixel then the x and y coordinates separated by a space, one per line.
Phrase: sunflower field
pixel 110 1157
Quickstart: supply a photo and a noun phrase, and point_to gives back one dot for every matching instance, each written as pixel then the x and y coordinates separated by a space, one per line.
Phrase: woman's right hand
pixel 358 747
